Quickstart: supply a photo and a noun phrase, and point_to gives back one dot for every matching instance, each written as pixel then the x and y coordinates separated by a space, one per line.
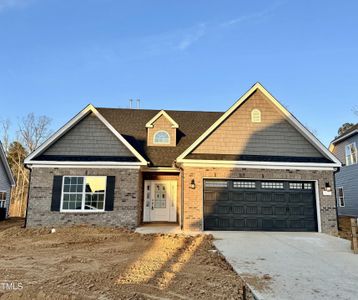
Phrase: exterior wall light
pixel 192 184
pixel 328 187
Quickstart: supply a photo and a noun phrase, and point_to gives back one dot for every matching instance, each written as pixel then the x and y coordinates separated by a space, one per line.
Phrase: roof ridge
pixel 157 110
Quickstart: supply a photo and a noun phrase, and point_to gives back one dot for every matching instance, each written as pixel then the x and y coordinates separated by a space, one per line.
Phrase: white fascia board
pixel 257 86
pixel 257 165
pixel 165 114
pixel 69 164
pixel 344 137
pixel 89 108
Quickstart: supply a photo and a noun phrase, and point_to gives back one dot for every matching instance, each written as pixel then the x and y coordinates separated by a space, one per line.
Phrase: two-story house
pixel 345 149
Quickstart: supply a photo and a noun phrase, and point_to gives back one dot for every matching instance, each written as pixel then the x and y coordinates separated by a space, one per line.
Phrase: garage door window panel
pixel 244 184
pixel 272 185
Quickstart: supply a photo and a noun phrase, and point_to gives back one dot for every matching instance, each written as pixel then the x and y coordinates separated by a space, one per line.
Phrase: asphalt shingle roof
pixel 130 123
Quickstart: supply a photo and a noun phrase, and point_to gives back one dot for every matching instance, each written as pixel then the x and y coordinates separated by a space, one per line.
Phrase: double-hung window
pixel 341 197
pixel 2 199
pixel 351 154
pixel 83 193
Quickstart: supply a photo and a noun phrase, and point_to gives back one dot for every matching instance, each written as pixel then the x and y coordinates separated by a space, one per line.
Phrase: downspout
pixel 28 195
pixel 181 194
pixel 335 195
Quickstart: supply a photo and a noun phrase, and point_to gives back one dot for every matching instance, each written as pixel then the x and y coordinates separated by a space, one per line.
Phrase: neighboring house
pixel 345 149
pixel 253 167
pixel 6 182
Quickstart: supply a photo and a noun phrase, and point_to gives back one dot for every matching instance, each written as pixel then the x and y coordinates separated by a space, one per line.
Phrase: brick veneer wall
pixel 127 206
pixel 193 198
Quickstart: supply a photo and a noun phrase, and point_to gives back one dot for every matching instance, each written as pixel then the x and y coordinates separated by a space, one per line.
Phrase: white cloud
pixel 192 36
pixel 254 16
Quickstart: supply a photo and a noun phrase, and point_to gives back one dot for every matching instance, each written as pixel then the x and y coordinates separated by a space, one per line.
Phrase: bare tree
pixel 33 131
pixel 5 126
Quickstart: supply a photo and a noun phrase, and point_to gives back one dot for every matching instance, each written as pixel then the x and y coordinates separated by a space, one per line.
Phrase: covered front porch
pixel 161 201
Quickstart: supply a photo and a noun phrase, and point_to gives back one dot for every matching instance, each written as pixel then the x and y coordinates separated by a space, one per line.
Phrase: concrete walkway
pixel 292 265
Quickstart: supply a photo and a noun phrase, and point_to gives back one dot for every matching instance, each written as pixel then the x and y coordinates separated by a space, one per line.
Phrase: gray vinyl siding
pixel 90 137
pixel 5 185
pixel 339 149
pixel 347 178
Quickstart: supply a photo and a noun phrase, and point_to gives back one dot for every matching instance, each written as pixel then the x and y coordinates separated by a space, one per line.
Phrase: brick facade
pixel 127 199
pixel 193 198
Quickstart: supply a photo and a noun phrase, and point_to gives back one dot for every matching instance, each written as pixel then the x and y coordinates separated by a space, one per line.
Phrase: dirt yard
pixel 107 263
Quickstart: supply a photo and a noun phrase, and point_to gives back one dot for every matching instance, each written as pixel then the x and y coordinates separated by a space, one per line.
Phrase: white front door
pixel 160 200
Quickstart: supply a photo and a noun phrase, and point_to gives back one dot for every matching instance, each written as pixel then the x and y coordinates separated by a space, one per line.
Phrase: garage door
pixel 259 205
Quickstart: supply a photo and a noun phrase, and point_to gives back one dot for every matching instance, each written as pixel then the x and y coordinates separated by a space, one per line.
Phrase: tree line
pixel 31 131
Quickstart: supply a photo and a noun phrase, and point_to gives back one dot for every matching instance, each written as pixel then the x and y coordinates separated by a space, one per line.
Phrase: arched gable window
pixel 161 137
pixel 256 116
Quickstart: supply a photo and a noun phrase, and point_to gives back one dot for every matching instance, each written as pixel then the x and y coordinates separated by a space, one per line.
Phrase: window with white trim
pixel 83 193
pixel 256 116
pixel 351 154
pixel 340 197
pixel 2 199
pixel 161 137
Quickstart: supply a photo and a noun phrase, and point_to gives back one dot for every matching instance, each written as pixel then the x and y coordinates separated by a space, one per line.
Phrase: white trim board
pixel 83 113
pixel 83 165
pixel 345 136
pixel 159 114
pixel 257 165
pixel 290 118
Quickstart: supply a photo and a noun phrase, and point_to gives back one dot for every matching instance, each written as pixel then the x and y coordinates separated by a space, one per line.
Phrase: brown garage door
pixel 259 205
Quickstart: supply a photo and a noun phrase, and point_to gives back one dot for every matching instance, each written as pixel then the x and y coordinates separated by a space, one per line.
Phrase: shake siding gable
pixel 162 124
pixel 90 137
pixel 274 135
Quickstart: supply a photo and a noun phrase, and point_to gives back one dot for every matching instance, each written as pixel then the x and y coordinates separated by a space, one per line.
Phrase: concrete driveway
pixel 279 265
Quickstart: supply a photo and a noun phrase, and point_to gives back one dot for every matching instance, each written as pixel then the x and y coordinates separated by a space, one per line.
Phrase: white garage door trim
pixel 318 207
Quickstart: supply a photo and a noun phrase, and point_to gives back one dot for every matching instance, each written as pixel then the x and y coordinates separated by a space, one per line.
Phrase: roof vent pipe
pixel 138 103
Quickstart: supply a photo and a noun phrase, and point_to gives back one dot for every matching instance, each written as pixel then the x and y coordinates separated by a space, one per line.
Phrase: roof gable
pixel 272 136
pixel 289 117
pixel 6 166
pixel 74 121
pixel 157 116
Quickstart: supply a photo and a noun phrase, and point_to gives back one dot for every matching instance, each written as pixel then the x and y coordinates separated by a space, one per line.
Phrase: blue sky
pixel 58 56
